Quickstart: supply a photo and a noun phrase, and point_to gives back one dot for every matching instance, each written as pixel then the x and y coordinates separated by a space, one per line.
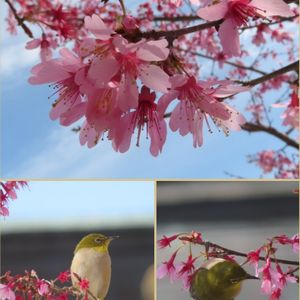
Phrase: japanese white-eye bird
pixel 92 261
pixel 218 279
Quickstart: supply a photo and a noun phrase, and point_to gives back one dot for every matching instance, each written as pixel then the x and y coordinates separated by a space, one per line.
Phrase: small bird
pixel 92 261
pixel 218 279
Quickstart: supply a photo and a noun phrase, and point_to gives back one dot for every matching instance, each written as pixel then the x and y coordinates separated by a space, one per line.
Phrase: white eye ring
pixel 98 240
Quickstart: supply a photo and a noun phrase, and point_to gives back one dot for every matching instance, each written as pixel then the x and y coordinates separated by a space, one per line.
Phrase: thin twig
pixel 19 20
pixel 238 253
pixel 291 67
pixel 251 127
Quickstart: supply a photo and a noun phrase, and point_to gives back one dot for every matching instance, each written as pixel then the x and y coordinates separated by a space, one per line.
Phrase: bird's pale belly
pixel 94 266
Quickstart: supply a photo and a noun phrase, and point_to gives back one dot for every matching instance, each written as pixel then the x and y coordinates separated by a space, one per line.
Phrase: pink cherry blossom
pixel 295 242
pixel 6 293
pixel 291 114
pixel 267 161
pixel 167 268
pixel 253 258
pixel 70 105
pixel 235 13
pixel 46 42
pixel 276 294
pixel 84 284
pixel 145 116
pixel 185 271
pixel 280 279
pixel 197 101
pixel 130 61
pixel 64 276
pixel 166 241
pixel 266 285
pixel 43 287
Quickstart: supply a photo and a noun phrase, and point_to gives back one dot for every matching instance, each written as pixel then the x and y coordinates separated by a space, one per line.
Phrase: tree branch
pixel 19 20
pixel 173 34
pixel 251 127
pixel 237 253
pixel 291 67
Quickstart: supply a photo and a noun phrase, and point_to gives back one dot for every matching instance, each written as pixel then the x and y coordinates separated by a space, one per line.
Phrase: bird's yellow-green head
pixel 97 241
pixel 218 279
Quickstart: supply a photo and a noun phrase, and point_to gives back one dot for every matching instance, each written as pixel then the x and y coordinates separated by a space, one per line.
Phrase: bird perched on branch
pixel 218 279
pixel 92 261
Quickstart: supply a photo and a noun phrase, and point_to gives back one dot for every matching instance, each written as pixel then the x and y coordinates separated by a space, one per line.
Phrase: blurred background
pixel 237 215
pixel 48 220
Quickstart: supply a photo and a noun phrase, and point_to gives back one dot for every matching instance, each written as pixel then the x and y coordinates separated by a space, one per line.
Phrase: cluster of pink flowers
pixel 274 277
pixel 236 13
pixel 8 191
pixel 100 82
pixel 291 114
pixel 278 162
pixel 182 270
pixel 30 286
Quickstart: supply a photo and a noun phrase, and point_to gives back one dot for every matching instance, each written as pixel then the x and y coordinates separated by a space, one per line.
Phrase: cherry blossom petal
pixel 73 114
pixel 124 133
pixel 154 50
pixel 229 90
pixel 4 212
pixel 96 26
pixel 123 46
pixel 164 102
pixel 33 44
pixel 62 106
pixel 154 77
pixel 45 54
pixel 197 132
pixel 229 37
pixel 158 137
pixel 181 118
pixel 6 293
pixel 162 271
pixel 128 93
pixel 273 8
pixel 102 70
pixel 46 72
pixel 88 135
pixel 214 12
pixel 235 121
pixel 69 57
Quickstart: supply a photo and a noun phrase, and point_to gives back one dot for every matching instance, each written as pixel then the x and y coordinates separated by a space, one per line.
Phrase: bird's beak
pixel 110 238
pixel 251 277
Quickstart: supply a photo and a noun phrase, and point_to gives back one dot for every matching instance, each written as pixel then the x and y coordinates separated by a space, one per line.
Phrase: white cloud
pixel 60 155
pixel 14 58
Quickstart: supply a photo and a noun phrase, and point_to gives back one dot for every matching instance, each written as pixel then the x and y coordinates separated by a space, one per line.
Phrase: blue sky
pixel 81 204
pixel 33 146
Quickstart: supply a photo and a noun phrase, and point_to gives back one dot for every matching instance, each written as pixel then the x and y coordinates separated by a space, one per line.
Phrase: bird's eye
pixel 98 240
pixel 234 281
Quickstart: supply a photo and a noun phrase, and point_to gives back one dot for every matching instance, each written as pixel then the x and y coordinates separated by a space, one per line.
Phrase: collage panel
pixel 212 236
pixel 123 88
pixel 100 231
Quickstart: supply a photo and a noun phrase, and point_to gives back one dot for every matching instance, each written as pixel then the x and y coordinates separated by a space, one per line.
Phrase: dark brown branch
pixel 291 67
pixel 173 34
pixel 237 253
pixel 190 18
pixel 19 20
pixel 251 127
